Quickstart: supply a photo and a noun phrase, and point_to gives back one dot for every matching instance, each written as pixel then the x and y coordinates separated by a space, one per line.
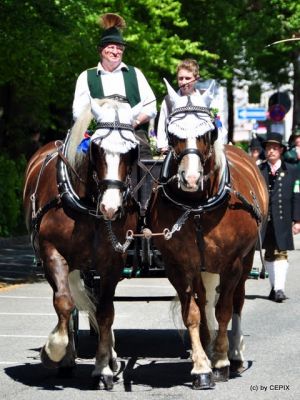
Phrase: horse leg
pixel 237 347
pixel 191 298
pixel 224 307
pixel 211 283
pixel 106 357
pixel 59 350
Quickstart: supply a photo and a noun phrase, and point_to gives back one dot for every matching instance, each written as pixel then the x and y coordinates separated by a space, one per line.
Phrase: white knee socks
pixel 277 273
pixel 280 268
pixel 271 271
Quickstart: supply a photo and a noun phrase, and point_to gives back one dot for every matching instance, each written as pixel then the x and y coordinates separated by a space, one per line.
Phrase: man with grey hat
pixel 112 77
pixel 282 180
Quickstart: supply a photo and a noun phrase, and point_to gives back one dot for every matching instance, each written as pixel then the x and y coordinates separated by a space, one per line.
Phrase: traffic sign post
pixel 259 114
pixel 277 112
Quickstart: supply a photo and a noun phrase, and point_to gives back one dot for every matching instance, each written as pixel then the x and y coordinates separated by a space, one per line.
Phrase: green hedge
pixel 11 184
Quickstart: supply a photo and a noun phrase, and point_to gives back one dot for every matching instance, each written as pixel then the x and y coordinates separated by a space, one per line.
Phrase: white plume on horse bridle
pixel 194 124
pixel 115 139
pixel 187 125
pixel 190 125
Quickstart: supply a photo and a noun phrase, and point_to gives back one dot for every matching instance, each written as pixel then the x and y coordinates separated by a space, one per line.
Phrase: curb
pixel 15 240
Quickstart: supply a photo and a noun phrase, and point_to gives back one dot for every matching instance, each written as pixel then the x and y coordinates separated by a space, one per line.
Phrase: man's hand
pixel 296 228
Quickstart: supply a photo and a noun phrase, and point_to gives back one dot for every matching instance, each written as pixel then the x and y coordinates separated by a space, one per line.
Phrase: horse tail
pixel 82 298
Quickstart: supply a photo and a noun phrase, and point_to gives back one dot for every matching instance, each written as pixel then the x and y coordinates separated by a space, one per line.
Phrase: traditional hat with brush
pixel 112 24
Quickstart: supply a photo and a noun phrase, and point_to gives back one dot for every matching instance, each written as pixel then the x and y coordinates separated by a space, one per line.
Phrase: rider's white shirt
pixel 113 83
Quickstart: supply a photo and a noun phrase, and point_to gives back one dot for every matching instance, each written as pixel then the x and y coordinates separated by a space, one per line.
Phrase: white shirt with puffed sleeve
pixel 113 83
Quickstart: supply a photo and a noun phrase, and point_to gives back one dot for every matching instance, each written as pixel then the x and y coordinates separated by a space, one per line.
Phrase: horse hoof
pixel 108 382
pixel 221 374
pixel 203 381
pixel 236 367
pixel 105 381
pixel 46 360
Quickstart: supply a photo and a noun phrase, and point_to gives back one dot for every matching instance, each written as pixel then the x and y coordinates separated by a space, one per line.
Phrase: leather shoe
pixel 279 296
pixel 272 294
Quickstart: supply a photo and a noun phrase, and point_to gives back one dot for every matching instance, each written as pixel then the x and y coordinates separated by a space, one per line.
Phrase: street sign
pixel 277 112
pixel 259 114
pixel 282 98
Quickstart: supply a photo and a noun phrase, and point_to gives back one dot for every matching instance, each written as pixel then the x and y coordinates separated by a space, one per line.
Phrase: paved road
pixel 153 356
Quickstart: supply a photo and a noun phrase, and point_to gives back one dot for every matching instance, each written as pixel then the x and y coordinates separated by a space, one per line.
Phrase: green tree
pixel 46 44
pixel 268 21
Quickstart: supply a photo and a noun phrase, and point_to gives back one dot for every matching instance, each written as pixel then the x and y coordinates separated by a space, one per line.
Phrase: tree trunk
pixel 296 90
pixel 230 100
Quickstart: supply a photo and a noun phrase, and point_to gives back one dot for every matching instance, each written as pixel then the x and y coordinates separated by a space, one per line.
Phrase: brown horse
pixel 78 207
pixel 208 207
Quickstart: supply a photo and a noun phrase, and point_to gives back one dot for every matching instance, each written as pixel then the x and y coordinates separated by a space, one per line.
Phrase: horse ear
pixel 209 93
pixel 136 109
pixel 171 92
pixel 97 111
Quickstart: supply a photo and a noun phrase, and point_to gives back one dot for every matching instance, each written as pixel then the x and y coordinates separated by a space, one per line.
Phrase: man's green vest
pixel 130 82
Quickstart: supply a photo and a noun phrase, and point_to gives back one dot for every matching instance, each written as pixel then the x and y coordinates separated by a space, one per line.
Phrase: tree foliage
pixel 45 44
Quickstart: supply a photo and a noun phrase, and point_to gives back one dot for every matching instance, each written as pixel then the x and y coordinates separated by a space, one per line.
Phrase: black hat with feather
pixel 112 24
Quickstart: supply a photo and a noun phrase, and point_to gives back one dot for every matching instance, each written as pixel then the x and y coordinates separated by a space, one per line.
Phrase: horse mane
pixel 76 158
pixel 80 126
pixel 219 154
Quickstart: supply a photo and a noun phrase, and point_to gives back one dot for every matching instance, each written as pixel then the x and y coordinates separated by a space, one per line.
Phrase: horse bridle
pixel 188 109
pixel 103 184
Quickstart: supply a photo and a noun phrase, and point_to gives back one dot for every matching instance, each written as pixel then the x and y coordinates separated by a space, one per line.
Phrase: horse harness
pixel 217 200
pixel 67 198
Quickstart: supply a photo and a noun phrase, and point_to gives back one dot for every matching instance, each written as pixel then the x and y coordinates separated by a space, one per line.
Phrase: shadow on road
pixel 256 296
pixel 147 359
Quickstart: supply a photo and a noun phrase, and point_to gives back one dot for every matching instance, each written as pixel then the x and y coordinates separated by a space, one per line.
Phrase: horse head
pixel 112 151
pixel 193 138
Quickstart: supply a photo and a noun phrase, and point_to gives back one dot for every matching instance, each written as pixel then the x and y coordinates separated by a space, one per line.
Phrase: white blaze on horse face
pixel 112 197
pixel 190 169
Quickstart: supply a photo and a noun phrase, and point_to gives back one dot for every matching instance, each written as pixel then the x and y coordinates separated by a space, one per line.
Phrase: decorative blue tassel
pixel 84 145
pixel 218 123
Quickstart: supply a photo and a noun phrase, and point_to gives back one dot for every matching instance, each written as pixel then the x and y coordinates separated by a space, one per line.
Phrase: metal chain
pixel 177 226
pixel 118 247
pixel 167 233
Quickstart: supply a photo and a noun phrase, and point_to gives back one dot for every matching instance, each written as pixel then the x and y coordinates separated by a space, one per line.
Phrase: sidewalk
pixel 17 260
